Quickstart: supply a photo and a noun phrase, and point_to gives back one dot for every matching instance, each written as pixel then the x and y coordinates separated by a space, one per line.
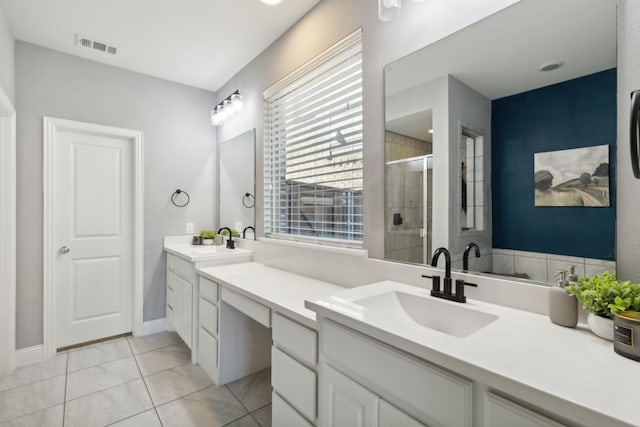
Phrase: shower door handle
pixel 634 129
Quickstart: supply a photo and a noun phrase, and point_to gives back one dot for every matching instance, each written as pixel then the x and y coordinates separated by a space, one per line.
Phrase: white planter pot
pixel 207 241
pixel 601 326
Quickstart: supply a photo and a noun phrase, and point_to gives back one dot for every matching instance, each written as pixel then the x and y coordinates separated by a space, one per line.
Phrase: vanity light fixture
pixel 227 108
pixel 390 9
pixel 271 2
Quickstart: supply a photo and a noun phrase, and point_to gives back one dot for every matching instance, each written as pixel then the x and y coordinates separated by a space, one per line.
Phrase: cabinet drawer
pixel 170 297
pixel 183 268
pixel 258 312
pixel 294 382
pixel 434 396
pixel 390 416
pixel 208 317
pixel 297 340
pixel 208 290
pixel 208 353
pixel 499 412
pixel 283 415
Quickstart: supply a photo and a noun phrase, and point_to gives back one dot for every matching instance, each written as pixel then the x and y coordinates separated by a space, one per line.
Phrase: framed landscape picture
pixel 576 177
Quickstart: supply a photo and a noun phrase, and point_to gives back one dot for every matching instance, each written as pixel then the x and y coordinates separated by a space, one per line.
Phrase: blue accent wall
pixel 572 114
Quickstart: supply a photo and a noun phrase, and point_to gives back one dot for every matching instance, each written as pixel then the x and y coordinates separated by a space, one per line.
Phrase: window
pixel 471 181
pixel 313 149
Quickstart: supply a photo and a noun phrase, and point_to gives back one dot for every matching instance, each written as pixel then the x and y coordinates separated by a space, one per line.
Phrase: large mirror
pixel 466 117
pixel 237 182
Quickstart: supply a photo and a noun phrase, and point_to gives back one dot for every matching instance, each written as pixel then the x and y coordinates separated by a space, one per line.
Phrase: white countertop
pixel 200 253
pixel 282 291
pixel 570 372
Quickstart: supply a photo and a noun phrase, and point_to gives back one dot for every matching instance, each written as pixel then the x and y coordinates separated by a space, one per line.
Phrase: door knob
pixel 65 249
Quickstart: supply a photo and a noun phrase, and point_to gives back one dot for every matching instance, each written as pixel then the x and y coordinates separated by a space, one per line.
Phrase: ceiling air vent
pixel 95 45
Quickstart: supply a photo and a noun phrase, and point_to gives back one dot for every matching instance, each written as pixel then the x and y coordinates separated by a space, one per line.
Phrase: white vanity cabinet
pixel 365 382
pixel 294 361
pixel 208 309
pixel 179 309
pixel 430 395
pixel 183 293
pixel 350 404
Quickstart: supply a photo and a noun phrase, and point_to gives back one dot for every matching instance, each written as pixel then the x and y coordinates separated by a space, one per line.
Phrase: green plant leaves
pixel 604 295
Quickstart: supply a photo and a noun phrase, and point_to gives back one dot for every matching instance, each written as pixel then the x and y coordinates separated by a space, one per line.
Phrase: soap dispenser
pixel 563 308
pixel 572 277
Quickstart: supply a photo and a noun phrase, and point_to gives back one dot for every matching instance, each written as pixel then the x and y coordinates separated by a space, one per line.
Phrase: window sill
pixel 340 250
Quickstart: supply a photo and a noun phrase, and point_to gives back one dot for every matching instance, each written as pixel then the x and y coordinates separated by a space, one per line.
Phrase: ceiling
pixel 200 43
pixel 500 55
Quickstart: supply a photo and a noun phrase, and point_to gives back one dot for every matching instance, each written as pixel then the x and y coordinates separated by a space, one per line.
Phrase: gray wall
pixel 179 152
pixel 628 202
pixel 327 23
pixel 6 58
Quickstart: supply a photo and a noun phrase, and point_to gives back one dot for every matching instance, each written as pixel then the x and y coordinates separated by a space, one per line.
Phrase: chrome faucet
pixel 244 232
pixel 446 291
pixel 230 243
pixel 465 255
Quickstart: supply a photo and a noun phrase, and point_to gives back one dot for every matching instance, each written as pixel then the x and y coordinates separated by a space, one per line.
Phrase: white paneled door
pixel 93 236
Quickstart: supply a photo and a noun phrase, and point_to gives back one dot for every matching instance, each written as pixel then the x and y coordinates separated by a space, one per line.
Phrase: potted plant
pixel 603 296
pixel 234 233
pixel 207 236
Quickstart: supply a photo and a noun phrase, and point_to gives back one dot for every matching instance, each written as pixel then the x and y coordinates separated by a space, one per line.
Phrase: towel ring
pixel 249 200
pixel 176 194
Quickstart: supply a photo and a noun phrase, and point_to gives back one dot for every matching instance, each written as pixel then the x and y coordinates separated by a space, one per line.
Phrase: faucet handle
pixel 460 284
pixel 435 280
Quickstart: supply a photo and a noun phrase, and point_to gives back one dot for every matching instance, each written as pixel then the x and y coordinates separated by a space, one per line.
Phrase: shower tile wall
pixel 405 195
pixel 398 147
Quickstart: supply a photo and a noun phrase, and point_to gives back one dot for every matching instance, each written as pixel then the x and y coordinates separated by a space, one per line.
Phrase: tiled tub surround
pixel 137 382
pixel 543 267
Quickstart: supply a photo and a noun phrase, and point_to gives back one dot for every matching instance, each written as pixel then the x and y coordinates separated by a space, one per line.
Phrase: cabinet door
pixel 182 294
pixel 346 403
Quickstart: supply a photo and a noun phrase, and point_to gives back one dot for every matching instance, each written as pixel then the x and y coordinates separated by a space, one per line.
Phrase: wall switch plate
pixel 189 228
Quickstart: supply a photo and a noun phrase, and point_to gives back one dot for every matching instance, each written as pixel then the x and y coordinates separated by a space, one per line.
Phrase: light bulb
pixel 221 113
pixel 271 2
pixel 388 9
pixel 215 118
pixel 237 102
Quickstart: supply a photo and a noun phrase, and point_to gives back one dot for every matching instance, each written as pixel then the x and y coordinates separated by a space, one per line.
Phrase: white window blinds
pixel 313 148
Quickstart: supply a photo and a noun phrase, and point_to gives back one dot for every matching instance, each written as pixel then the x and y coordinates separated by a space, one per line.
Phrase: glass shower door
pixel 408 210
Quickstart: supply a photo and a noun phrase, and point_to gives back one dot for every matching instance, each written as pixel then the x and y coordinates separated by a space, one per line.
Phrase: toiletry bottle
pixel 572 277
pixel 563 308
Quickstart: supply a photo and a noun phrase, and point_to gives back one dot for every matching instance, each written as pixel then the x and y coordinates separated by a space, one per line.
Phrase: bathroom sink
pixel 210 249
pixel 450 318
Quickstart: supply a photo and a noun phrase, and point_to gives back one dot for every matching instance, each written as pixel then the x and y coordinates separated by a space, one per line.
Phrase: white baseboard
pixel 29 355
pixel 154 326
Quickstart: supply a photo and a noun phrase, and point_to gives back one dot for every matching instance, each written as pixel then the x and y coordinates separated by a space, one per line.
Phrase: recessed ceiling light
pixel 550 66
pixel 271 2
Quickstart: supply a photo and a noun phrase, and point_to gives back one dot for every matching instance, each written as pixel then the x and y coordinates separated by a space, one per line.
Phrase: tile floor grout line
pixel 104 389
pixel 153 403
pixel 35 381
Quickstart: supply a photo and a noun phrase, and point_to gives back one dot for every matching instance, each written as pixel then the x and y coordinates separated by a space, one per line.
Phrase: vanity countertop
pixel 570 372
pixel 201 253
pixel 280 290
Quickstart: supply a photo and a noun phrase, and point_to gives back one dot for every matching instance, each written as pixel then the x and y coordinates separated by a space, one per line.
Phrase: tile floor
pixel 131 382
